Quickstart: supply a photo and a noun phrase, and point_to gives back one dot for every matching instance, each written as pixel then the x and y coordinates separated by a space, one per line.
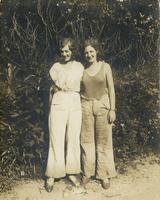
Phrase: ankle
pixel 85 179
pixel 74 180
pixel 50 180
pixel 105 183
pixel 105 180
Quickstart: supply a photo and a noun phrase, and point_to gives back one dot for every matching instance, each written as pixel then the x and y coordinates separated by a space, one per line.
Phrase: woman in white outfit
pixel 64 117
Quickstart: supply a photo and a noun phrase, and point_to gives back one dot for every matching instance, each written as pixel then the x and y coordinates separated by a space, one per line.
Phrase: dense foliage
pixel 31 30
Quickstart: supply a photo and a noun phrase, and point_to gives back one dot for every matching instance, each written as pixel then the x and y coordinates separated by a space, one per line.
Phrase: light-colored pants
pixel 96 140
pixel 64 135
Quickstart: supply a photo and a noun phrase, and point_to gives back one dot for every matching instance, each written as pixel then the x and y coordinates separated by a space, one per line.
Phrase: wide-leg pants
pixel 64 135
pixel 96 140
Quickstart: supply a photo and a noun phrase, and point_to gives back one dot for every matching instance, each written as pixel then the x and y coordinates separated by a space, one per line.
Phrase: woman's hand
pixel 52 91
pixel 111 116
pixel 55 89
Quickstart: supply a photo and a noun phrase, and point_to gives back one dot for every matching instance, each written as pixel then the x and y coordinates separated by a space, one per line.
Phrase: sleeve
pixel 53 72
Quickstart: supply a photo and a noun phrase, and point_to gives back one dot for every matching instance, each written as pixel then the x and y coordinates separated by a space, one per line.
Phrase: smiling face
pixel 66 53
pixel 90 54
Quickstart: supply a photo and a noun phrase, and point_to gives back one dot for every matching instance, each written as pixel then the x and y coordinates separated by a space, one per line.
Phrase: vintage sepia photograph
pixel 79 100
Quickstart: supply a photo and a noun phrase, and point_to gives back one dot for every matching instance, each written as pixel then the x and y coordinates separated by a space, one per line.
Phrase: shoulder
pixel 107 67
pixel 79 66
pixel 54 67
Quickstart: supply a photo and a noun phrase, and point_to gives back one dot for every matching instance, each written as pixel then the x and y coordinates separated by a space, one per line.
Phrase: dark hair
pixel 95 44
pixel 71 44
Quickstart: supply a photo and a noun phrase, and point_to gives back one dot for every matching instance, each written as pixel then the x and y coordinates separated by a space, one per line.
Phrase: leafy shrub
pixel 137 123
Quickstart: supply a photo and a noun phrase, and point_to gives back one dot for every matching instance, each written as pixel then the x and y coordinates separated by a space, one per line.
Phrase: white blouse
pixel 67 76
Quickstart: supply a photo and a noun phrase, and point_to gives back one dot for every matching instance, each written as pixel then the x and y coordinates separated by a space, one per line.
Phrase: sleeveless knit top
pixel 94 86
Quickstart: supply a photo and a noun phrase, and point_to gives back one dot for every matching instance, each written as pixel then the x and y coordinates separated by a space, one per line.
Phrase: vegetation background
pixel 30 31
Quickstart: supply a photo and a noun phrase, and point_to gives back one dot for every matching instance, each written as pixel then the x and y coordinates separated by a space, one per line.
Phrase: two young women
pixel 87 120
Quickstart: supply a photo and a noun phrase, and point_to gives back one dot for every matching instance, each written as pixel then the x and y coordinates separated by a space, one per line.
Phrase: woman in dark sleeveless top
pixel 98 115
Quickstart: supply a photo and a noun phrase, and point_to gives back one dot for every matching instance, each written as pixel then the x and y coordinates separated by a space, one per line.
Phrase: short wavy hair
pixel 71 44
pixel 96 45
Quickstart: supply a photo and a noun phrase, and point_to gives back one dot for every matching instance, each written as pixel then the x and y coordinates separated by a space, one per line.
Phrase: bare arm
pixel 53 89
pixel 111 93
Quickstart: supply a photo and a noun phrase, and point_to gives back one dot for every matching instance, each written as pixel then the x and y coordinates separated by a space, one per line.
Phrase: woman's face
pixel 90 54
pixel 66 53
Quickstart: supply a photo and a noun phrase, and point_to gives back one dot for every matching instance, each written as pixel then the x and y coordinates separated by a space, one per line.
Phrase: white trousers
pixel 64 135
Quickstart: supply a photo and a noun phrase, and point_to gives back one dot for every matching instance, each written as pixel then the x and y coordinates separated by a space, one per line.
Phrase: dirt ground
pixel 140 182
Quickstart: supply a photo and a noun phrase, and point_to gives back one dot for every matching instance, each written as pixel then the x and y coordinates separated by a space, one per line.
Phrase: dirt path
pixel 140 183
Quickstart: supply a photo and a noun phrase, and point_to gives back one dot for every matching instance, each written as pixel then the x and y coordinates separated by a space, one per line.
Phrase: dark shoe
pixel 49 184
pixel 105 183
pixel 74 180
pixel 85 180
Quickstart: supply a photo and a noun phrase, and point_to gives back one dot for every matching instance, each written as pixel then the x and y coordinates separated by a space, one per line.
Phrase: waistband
pixel 66 93
pixel 93 99
pixel 58 89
